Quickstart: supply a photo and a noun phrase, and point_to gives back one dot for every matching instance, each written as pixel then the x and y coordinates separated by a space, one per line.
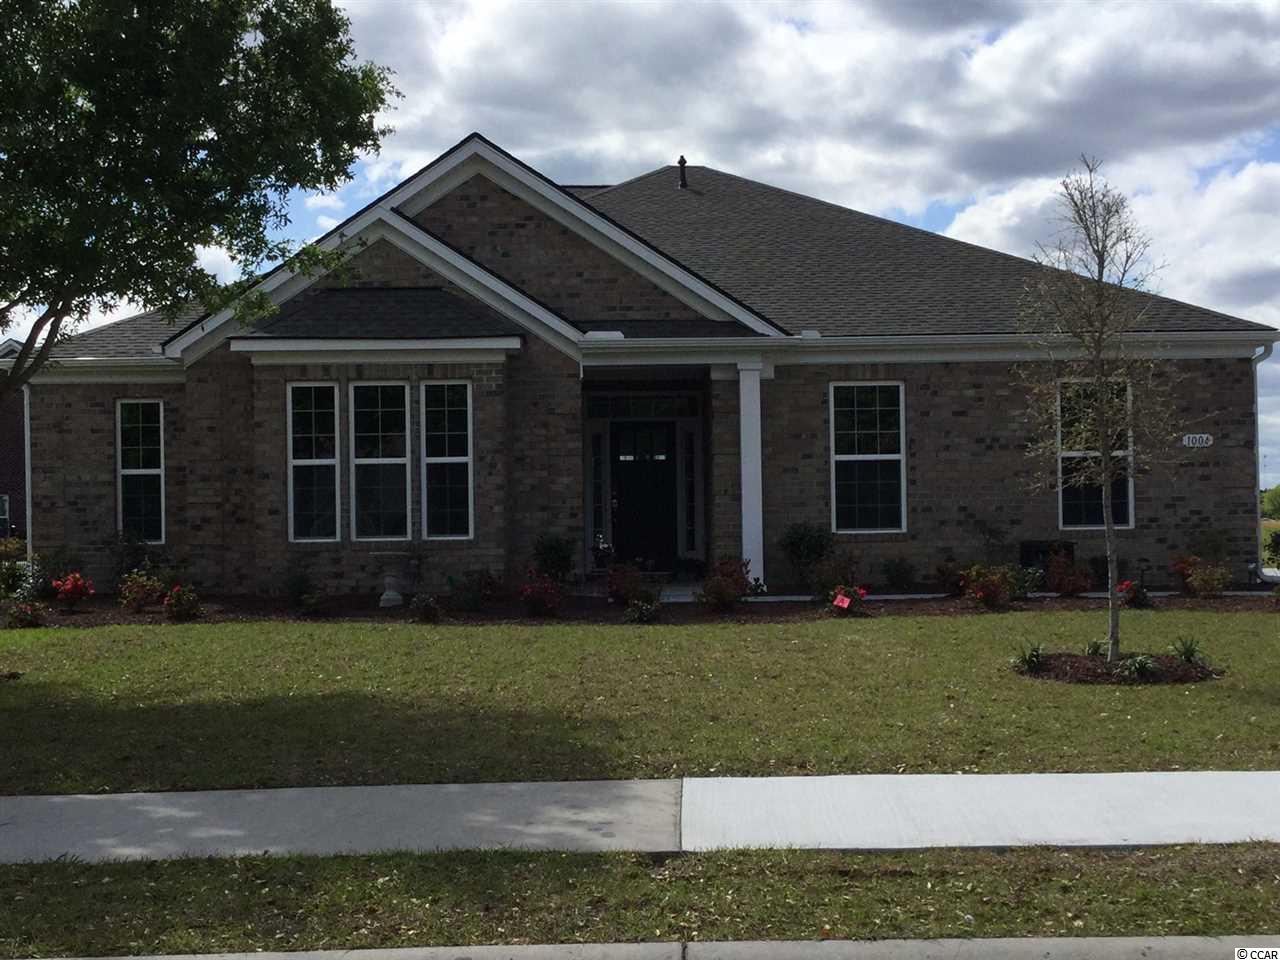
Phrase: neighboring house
pixel 681 365
pixel 13 456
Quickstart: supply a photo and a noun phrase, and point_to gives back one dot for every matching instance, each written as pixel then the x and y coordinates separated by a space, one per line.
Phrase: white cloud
pixel 324 201
pixel 218 262
pixel 327 223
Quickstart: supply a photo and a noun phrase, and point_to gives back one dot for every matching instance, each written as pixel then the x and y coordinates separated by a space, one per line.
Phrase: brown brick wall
pixel 545 259
pixel 967 473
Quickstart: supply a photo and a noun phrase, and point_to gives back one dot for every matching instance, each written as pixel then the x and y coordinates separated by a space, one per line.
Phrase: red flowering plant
pixel 992 587
pixel 1133 594
pixel 181 604
pixel 71 589
pixel 849 601
pixel 542 595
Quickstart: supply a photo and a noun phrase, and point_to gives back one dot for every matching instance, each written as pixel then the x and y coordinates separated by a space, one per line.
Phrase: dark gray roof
pixel 135 336
pixel 671 328
pixel 385 312
pixel 811 265
pixel 584 190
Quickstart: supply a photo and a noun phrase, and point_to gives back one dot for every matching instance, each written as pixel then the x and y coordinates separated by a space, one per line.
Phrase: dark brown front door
pixel 643 455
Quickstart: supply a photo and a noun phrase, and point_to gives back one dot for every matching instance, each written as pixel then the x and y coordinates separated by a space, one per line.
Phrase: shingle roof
pixel 135 336
pixel 812 265
pixel 385 312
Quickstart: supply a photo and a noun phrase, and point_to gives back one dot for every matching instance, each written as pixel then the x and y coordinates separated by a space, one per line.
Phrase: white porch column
pixel 749 447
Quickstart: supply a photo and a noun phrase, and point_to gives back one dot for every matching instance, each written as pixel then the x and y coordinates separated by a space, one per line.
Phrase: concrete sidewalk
pixel 1039 948
pixel 590 816
pixel 849 812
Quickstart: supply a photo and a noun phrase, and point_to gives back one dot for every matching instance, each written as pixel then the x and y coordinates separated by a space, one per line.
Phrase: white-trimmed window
pixel 4 515
pixel 1080 504
pixel 380 461
pixel 868 462
pixel 447 490
pixel 140 469
pixel 313 461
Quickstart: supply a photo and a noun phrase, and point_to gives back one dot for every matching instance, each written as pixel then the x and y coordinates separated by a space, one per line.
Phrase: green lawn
pixel 281 704
pixel 299 903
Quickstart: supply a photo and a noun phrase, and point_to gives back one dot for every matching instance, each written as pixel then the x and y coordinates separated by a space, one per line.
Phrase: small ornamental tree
pixel 132 135
pixel 1100 401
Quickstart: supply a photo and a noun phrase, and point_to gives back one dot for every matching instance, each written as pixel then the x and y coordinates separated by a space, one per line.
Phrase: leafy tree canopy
pixel 132 134
pixel 1271 503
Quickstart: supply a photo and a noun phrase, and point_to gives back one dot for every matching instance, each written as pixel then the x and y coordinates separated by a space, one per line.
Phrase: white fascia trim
pixel 782 351
pixel 110 370
pixel 381 224
pixel 292 358
pixel 359 345
pixel 414 195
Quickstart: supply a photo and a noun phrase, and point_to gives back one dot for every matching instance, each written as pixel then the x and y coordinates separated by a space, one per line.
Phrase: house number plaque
pixel 1197 440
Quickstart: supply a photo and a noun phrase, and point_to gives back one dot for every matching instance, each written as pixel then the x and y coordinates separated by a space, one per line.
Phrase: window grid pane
pixel 446 458
pixel 867 456
pixel 379 423
pixel 313 449
pixel 141 472
pixel 1082 503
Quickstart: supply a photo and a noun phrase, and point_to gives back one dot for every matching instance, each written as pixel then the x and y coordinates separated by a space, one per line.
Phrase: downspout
pixel 1258 360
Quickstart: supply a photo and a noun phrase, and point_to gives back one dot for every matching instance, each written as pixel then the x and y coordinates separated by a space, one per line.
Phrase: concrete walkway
pixel 851 812
pixel 591 816
pixel 1039 948
pixel 948 810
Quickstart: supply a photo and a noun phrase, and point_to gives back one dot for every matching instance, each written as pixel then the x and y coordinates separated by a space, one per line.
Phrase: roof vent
pixel 684 182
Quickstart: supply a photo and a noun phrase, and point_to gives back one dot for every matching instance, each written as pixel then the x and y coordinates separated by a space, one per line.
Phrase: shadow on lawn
pixel 57 739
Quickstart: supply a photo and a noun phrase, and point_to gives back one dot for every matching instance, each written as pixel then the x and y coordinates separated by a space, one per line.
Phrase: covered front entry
pixel 645 477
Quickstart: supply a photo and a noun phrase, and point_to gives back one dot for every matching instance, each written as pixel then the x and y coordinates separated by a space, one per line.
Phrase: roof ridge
pixel 635 179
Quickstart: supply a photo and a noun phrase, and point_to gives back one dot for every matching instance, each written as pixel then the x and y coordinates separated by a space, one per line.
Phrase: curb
pixel 1023 948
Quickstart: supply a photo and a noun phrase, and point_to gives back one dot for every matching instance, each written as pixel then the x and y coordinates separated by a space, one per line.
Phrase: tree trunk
pixel 1109 534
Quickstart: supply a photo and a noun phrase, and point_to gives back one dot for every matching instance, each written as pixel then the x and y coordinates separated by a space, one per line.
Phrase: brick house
pixel 680 365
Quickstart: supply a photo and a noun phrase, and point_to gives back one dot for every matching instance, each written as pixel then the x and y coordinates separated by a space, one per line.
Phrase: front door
pixel 644 493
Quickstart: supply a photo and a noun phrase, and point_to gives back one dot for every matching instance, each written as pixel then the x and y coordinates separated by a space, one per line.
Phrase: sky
pixel 960 117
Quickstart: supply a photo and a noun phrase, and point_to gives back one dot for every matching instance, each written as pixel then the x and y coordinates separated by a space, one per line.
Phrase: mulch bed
pixel 1081 668
pixel 102 610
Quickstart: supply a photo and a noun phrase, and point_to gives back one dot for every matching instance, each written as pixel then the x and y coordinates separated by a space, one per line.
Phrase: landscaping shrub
pixel 806 546
pixel 836 568
pixel 1271 548
pixel 1187 649
pixel 553 556
pixel 1066 577
pixel 139 590
pixel 729 582
pixel 71 589
pixel 474 591
pixel 541 594
pixel 950 577
pixel 48 567
pixel 1182 567
pixel 19 613
pixel 425 608
pixel 642 611
pixel 129 554
pixel 1029 659
pixel 849 601
pixel 899 573
pixel 1098 568
pixel 1133 594
pixel 15 578
pixel 1137 667
pixel 1208 579
pixel 181 604
pixel 628 585
pixel 990 587
pixel 1095 647
pixel 1023 581
pixel 12 548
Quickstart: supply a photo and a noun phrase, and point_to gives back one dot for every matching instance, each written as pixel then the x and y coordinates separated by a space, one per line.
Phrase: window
pixel 380 461
pixel 446 460
pixel 313 461
pixel 4 514
pixel 1080 501
pixel 140 464
pixel 868 485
